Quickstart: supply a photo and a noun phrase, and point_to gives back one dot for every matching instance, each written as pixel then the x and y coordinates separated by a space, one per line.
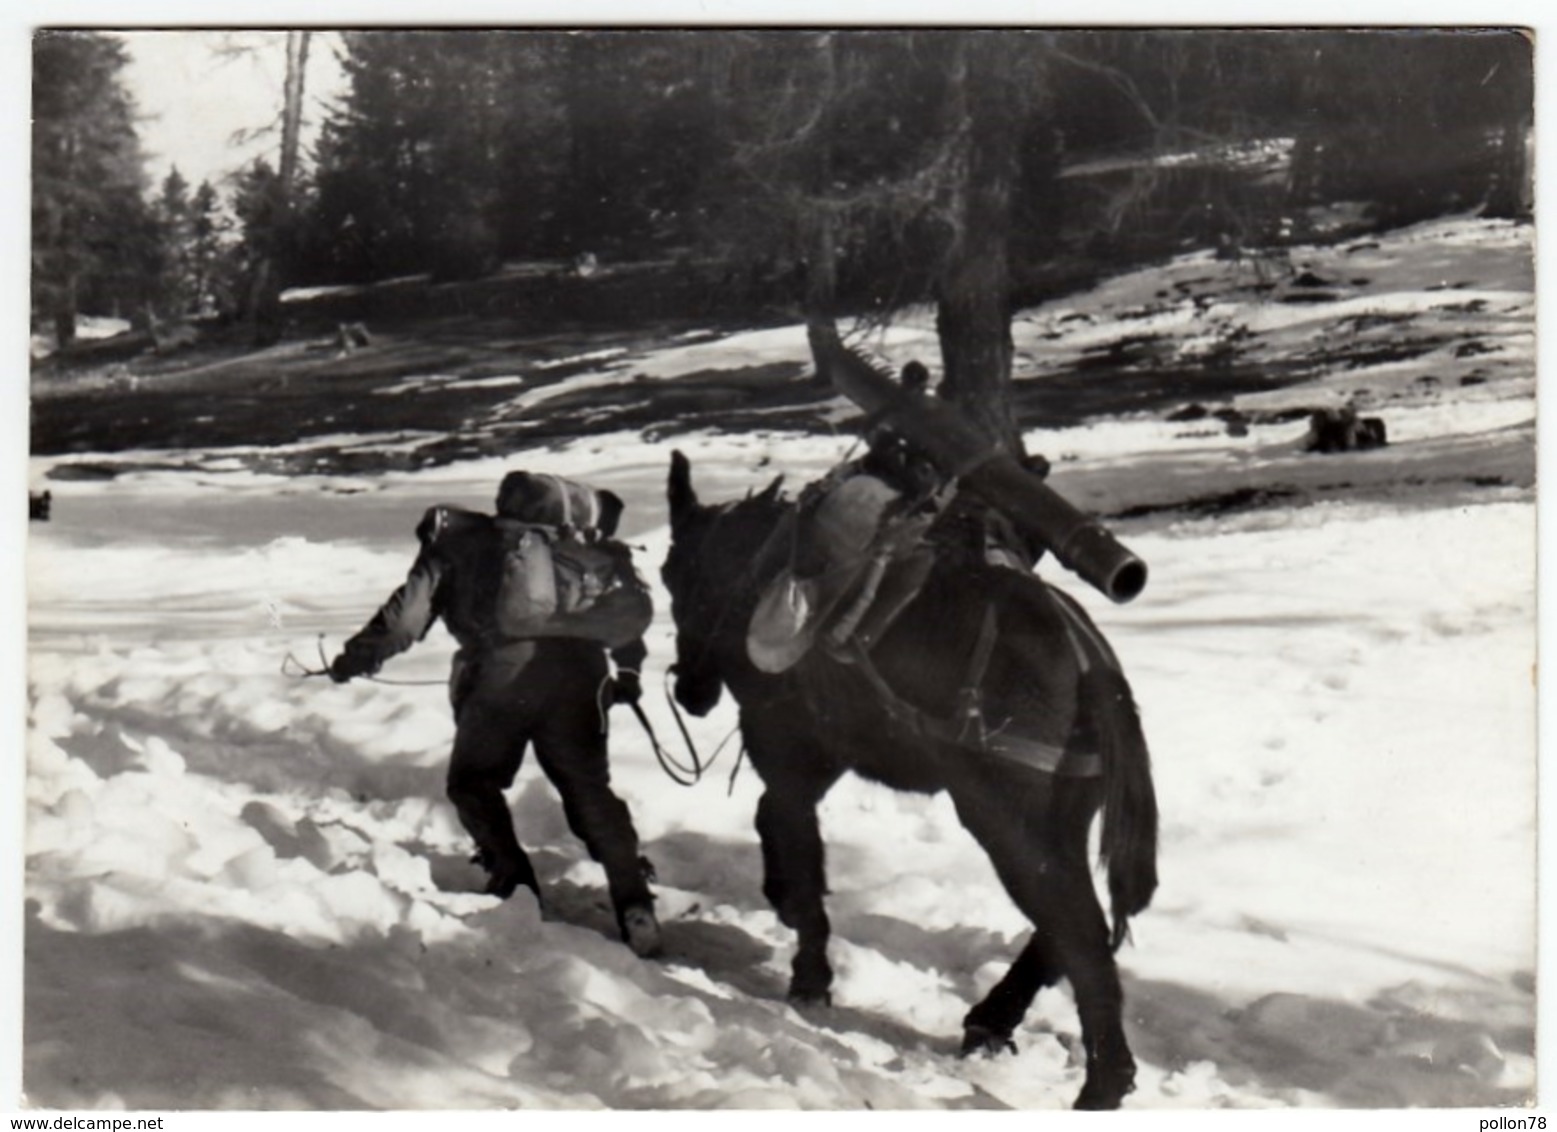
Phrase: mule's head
pixel 709 574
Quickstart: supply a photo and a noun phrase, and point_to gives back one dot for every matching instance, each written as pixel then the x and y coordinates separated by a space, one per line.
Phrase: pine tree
pixel 453 150
pixel 207 237
pixel 248 260
pixel 1418 123
pixel 94 242
pixel 177 289
pixel 411 166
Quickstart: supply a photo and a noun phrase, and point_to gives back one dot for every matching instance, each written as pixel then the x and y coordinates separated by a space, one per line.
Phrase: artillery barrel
pixel 958 448
pixel 1080 542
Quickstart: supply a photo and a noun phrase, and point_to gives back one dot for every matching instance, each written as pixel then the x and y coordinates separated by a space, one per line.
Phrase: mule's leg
pixel 988 1027
pixel 1087 957
pixel 1036 835
pixel 794 867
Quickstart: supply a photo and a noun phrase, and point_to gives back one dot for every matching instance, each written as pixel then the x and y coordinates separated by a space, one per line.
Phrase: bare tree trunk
pixel 821 290
pixel 1507 198
pixel 65 311
pixel 63 314
pixel 66 297
pixel 265 292
pixel 973 313
pixel 292 111
pixel 821 249
pixel 1303 175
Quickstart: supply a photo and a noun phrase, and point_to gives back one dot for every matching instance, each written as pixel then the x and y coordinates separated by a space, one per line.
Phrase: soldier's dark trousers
pixel 546 693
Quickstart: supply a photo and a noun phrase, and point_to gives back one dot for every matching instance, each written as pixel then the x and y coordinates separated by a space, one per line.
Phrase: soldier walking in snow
pixel 536 596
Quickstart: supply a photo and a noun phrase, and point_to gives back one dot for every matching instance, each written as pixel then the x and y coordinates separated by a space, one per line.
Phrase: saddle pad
pixel 1044 756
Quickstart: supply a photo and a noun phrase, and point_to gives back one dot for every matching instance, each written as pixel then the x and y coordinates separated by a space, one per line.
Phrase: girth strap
pixel 1090 646
pixel 970 698
pixel 1030 752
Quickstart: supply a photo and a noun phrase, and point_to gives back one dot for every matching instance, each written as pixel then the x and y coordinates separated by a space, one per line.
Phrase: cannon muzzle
pixel 960 449
pixel 1081 543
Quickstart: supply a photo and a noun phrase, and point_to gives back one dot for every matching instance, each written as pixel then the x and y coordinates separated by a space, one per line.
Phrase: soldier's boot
pixel 507 874
pixel 641 930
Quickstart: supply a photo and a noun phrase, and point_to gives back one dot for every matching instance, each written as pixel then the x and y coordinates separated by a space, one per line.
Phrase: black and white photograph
pixel 832 568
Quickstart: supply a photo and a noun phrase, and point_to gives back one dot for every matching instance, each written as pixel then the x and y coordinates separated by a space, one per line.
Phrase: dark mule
pixel 1050 679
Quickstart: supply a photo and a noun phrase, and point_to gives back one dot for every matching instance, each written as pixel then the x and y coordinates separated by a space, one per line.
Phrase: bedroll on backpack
pixel 547 500
pixel 556 585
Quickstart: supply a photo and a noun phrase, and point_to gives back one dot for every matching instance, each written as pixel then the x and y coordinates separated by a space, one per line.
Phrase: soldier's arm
pixel 402 620
pixel 630 657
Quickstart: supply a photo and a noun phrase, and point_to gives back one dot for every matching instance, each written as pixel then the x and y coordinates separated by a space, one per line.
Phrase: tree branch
pixel 1116 78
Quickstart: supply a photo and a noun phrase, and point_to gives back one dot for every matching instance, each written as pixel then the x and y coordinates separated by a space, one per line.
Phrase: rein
pixel 694 774
pixel 678 772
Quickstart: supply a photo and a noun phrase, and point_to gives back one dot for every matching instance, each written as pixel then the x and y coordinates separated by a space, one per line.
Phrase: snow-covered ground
pixel 244 890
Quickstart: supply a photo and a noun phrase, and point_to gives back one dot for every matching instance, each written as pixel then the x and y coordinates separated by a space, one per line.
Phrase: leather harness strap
pixel 970 697
pixel 1030 752
pixel 1083 634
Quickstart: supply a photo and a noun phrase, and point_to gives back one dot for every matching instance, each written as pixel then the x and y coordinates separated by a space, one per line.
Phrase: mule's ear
pixel 611 508
pixel 683 499
pixel 771 492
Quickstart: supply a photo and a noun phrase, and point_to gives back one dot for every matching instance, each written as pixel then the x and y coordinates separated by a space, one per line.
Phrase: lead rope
pixel 783 528
pixel 678 772
pixel 686 738
pixel 291 666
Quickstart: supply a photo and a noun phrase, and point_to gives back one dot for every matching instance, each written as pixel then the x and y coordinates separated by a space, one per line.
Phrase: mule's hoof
pixel 980 1040
pixel 1096 1100
pixel 503 885
pixel 1105 1090
pixel 641 932
pixel 804 1000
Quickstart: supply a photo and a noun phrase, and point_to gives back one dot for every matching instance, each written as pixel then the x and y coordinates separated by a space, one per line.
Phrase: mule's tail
pixel 1129 837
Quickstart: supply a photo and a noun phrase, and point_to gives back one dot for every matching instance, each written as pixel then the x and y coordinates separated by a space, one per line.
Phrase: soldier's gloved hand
pixel 344 667
pixel 626 688
pixel 1037 465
